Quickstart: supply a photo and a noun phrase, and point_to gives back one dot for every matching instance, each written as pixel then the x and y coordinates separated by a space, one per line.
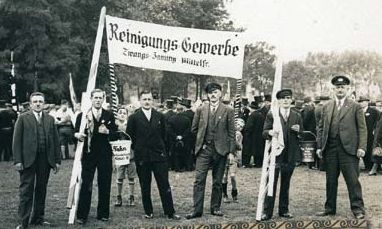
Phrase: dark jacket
pixel 148 137
pixel 291 141
pixel 25 140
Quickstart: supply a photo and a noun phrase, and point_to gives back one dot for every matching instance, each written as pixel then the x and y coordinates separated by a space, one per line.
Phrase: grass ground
pixel 307 196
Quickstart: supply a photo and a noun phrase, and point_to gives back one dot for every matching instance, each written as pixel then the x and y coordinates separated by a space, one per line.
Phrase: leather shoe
pixel 286 215
pixel 265 217
pixel 20 227
pixel 148 216
pixel 371 173
pixel 193 216
pixel 174 217
pixel 325 213
pixel 359 215
pixel 217 213
pixel 80 221
pixel 41 223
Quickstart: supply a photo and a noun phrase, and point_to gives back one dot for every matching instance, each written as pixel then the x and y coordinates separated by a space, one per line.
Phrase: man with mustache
pixel 341 141
pixel 214 126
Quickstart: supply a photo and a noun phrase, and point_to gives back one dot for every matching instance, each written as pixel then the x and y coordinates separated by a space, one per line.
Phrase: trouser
pixel 103 164
pixel 160 170
pixel 285 171
pixel 33 184
pixel 208 157
pixel 338 160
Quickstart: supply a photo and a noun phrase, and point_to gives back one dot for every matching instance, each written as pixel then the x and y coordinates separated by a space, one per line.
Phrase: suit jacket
pixel 253 141
pixel 224 126
pixel 308 118
pixel 148 137
pixel 291 140
pixel 352 126
pixel 25 140
pixel 102 144
pixel 371 118
pixel 179 124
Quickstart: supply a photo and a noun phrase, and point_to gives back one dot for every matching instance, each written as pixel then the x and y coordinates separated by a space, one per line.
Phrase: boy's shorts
pixel 129 169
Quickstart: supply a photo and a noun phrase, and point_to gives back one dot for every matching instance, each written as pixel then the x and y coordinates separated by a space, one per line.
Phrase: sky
pixel 297 27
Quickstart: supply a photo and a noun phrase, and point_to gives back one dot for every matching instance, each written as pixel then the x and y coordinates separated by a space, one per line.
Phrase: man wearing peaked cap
pixel 214 127
pixel 291 122
pixel 371 117
pixel 342 141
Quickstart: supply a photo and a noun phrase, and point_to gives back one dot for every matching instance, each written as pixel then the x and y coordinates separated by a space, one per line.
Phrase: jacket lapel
pixel 218 114
pixel 205 112
pixel 345 108
pixel 330 112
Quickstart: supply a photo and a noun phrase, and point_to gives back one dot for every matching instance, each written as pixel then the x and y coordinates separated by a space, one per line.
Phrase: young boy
pixel 232 164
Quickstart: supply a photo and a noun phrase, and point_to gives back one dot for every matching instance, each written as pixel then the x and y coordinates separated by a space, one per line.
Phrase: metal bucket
pixel 308 146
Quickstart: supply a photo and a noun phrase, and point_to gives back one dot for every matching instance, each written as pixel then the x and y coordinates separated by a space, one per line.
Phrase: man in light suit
pixel 292 125
pixel 36 149
pixel 147 129
pixel 214 126
pixel 341 141
pixel 97 154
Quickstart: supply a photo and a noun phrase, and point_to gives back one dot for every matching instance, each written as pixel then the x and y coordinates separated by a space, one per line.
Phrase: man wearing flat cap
pixel 214 126
pixel 371 118
pixel 341 141
pixel 291 122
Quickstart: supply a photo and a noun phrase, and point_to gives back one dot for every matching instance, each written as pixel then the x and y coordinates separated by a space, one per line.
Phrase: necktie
pixel 98 115
pixel 285 115
pixel 39 117
pixel 339 105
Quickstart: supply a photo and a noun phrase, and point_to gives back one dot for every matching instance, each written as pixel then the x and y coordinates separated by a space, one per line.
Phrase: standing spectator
pixel 63 118
pixel 341 141
pixel 147 129
pixel 371 118
pixel 179 133
pixel 291 122
pixel 189 113
pixel 214 126
pixel 377 149
pixel 97 154
pixel 36 151
pixel 244 110
pixel 232 164
pixel 254 142
pixel 7 117
pixel 128 169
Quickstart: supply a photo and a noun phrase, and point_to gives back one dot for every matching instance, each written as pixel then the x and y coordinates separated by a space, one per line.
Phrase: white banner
pixel 147 45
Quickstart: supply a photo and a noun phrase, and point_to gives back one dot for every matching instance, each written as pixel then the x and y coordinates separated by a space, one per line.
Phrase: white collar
pixel 340 101
pixel 37 114
pixel 147 113
pixel 96 111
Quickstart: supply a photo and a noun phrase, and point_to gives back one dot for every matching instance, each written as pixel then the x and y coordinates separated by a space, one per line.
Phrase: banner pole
pixel 113 86
pixel 75 181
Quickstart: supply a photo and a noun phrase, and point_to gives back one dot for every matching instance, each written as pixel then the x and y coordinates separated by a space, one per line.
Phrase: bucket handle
pixel 123 132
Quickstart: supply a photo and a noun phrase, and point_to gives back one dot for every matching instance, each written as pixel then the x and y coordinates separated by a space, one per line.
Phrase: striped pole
pixel 113 86
pixel 238 98
pixel 13 86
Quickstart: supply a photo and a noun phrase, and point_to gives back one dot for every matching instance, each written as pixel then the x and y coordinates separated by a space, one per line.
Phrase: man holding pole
pixel 97 154
pixel 291 123
pixel 341 141
pixel 214 126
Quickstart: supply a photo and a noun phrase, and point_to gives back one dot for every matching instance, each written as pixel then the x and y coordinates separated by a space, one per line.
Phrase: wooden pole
pixel 75 181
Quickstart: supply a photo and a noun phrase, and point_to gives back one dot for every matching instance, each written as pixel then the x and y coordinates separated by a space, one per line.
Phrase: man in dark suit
pixel 244 110
pixel 371 118
pixel 253 141
pixel 190 114
pixel 7 117
pixel 341 141
pixel 214 126
pixel 291 123
pixel 147 129
pixel 179 132
pixel 97 154
pixel 36 150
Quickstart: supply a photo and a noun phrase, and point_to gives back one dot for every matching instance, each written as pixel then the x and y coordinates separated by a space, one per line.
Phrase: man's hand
pixel 295 127
pixel 103 129
pixel 179 137
pixel 19 167
pixel 80 136
pixel 56 169
pixel 360 153
pixel 319 153
pixel 273 133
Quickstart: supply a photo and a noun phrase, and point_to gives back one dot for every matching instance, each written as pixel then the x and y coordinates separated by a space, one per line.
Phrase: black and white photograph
pixel 231 114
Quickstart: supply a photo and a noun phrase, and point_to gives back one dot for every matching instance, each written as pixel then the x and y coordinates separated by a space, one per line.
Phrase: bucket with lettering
pixel 308 146
pixel 121 151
